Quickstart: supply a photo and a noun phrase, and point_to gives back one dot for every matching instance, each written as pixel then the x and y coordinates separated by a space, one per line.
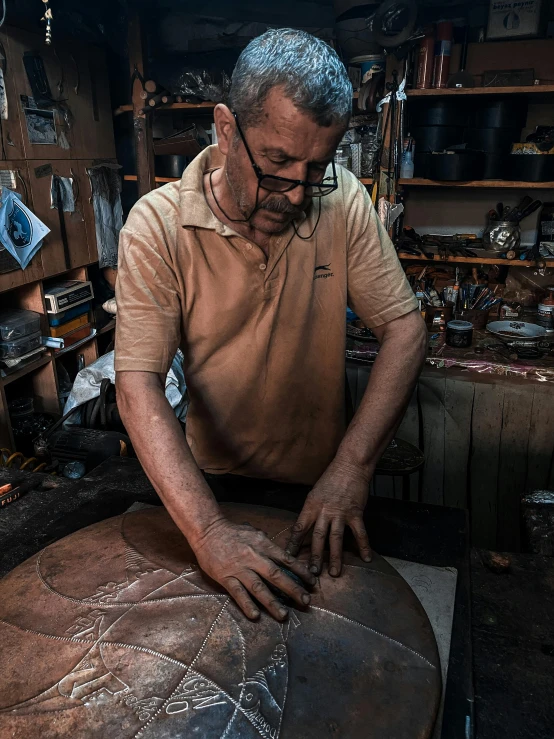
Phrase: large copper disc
pixel 115 632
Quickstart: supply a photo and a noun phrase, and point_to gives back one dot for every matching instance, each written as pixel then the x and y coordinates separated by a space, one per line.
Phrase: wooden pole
pixel 142 125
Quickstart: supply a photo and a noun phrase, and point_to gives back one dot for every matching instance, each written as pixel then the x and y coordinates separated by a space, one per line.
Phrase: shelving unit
pixel 170 106
pixel 469 260
pixel 462 92
pixel 510 184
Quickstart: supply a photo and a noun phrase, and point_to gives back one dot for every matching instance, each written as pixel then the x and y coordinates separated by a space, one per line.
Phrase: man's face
pixel 286 143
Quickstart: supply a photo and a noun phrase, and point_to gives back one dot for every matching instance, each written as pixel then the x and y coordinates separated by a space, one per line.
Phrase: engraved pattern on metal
pixel 116 632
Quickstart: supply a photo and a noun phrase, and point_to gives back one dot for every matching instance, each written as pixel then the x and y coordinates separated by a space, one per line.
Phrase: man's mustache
pixel 280 204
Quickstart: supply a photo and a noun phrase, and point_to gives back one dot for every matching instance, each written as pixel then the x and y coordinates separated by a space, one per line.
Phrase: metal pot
pixel 501 236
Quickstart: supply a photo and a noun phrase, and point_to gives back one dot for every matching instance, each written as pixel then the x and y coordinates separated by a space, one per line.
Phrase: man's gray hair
pixel 308 69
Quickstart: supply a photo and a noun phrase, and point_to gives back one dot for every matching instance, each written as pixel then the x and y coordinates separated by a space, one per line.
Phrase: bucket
pixel 370 65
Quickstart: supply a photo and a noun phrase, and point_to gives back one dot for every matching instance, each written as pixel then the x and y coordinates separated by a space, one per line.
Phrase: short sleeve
pixel 378 291
pixel 148 327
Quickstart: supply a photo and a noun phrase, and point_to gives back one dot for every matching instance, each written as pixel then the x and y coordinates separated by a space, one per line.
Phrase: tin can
pixel 370 64
pixel 459 334
pixel 443 50
pixel 425 59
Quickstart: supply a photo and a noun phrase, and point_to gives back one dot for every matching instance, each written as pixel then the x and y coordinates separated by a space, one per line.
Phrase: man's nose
pixel 296 196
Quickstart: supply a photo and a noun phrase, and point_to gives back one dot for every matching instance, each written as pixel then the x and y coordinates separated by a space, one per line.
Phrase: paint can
pixel 459 334
pixel 369 64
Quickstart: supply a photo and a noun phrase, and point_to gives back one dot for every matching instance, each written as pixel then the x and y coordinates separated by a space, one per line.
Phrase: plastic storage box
pixel 19 347
pixel 16 323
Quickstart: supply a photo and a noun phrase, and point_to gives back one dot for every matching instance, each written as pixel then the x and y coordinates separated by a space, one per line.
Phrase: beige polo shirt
pixel 263 339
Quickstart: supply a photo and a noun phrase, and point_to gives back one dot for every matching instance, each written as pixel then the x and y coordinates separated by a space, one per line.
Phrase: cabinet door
pixel 91 105
pixel 56 124
pixel 12 140
pixel 54 259
pixel 17 177
pixel 88 208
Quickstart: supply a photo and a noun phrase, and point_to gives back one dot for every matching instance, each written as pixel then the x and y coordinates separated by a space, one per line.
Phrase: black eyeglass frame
pixel 329 187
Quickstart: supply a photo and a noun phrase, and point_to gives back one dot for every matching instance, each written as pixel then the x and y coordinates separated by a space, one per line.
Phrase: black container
pixel 496 167
pixel 439 113
pixel 500 113
pixel 437 138
pixel 169 165
pixel 459 334
pixel 492 140
pixel 531 167
pixel 456 166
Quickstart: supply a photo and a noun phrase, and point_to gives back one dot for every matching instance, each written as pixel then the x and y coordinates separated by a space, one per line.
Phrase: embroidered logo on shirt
pixel 325 269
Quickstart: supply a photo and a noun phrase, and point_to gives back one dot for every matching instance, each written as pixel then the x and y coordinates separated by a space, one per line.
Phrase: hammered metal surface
pixel 115 632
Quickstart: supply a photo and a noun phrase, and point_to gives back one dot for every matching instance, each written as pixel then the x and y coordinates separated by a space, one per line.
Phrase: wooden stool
pixel 400 459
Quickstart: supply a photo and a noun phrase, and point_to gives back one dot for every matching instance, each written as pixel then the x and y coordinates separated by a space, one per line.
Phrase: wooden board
pixel 458 406
pixel 431 394
pixel 485 453
pixel 409 430
pixel 512 473
pixel 540 450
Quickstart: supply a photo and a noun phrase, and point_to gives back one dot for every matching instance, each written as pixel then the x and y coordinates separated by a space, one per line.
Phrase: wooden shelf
pixel 420 182
pixel 171 106
pixel 448 92
pixel 133 178
pixel 366 180
pixel 77 345
pixel 31 367
pixel 108 327
pixel 471 260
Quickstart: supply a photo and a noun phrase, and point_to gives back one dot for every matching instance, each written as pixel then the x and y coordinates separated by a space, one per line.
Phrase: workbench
pixel 512 628
pixel 484 424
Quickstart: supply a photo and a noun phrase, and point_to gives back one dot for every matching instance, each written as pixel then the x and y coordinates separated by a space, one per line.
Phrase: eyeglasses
pixel 273 183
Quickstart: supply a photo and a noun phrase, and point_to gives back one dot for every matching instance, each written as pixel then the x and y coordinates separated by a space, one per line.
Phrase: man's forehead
pixel 285 129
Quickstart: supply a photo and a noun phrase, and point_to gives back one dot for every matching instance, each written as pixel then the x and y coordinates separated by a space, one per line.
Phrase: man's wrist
pixel 347 464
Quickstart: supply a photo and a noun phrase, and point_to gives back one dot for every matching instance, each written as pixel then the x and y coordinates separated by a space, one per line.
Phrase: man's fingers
pixel 299 568
pixel 358 529
pixel 263 595
pixel 271 571
pixel 297 534
pixel 336 536
pixel 243 600
pixel 319 536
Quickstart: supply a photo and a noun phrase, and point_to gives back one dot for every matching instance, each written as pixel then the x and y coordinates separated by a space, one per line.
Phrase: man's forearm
pixel 164 454
pixel 391 383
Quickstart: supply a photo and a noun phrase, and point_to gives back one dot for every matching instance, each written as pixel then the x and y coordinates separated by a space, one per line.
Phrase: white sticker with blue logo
pixel 21 232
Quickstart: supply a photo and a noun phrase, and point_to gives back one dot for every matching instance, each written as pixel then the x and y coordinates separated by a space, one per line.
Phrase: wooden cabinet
pixel 54 257
pixel 62 72
pixel 19 178
pixel 78 81
pixel 91 107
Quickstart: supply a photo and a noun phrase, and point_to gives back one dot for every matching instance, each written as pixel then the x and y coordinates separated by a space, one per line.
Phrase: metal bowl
pixel 517 333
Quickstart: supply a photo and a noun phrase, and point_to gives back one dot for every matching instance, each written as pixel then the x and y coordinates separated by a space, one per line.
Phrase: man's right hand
pixel 240 558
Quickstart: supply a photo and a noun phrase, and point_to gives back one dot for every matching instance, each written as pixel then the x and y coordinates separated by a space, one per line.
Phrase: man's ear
pixel 224 126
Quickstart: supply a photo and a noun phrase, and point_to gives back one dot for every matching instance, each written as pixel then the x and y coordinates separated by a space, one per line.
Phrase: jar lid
pixel 460 325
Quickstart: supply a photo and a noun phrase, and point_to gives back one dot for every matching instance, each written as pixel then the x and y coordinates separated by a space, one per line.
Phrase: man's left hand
pixel 337 500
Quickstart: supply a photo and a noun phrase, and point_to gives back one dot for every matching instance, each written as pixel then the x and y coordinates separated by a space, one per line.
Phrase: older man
pixel 248 264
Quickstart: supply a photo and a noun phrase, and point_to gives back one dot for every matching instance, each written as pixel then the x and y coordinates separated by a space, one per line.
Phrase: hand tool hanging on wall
pixel 63 232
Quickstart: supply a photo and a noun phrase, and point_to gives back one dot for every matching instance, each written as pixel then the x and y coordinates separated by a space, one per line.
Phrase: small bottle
pixel 407 162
